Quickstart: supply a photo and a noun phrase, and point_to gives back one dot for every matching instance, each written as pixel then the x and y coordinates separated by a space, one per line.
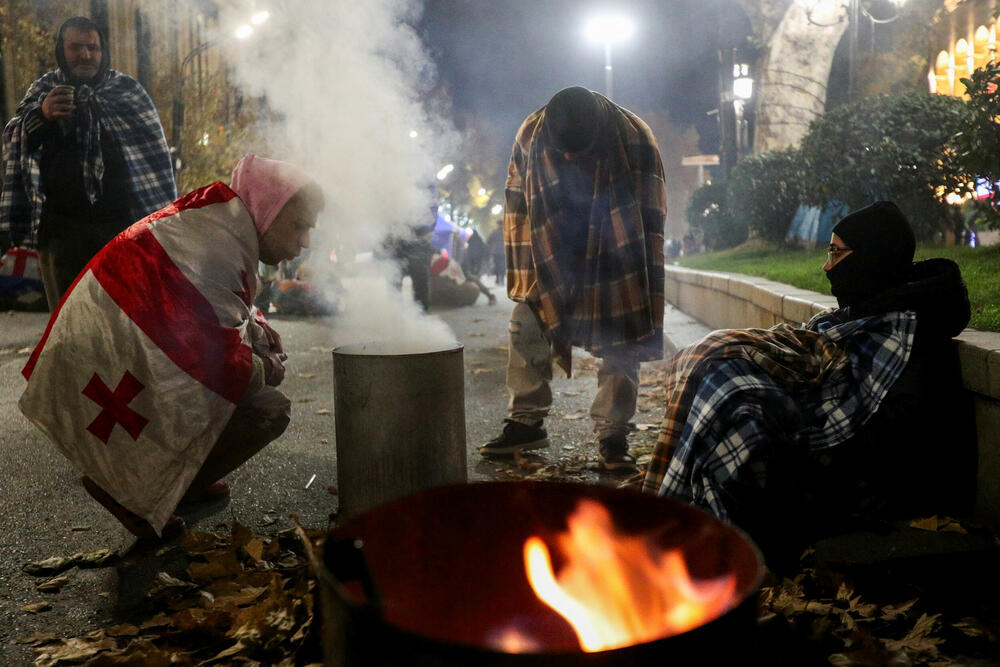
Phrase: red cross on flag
pixel 20 263
pixel 146 357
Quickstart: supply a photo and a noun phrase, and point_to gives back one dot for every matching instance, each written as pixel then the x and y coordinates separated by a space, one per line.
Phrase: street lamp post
pixel 607 30
pixel 853 12
pixel 177 125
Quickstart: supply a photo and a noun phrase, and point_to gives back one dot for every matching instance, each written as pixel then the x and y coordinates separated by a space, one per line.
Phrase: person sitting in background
pixel 448 284
pixel 794 433
pixel 157 376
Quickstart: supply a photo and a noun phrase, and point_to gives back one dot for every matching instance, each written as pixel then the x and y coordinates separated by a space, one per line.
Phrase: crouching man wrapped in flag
pixel 156 373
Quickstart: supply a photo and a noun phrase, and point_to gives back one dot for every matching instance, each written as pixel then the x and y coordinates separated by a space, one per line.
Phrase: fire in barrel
pixel 532 573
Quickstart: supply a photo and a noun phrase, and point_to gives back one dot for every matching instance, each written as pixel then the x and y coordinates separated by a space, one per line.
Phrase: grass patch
pixel 804 268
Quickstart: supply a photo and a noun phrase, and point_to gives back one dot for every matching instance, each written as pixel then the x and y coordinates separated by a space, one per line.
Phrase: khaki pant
pixel 529 372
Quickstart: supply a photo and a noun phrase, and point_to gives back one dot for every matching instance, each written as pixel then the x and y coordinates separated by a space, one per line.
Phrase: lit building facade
pixel 966 38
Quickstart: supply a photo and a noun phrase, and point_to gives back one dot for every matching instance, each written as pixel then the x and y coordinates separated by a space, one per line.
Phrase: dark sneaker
pixel 614 454
pixel 516 437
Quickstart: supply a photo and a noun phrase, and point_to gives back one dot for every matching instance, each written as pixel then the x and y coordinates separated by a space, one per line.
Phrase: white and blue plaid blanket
pixel 117 104
pixel 737 392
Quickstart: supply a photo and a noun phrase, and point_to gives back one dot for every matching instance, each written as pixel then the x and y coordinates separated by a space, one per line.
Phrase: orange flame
pixel 618 590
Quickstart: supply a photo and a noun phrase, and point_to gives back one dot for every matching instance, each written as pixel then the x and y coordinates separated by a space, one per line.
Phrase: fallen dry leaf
pixel 53 565
pixel 477 371
pixel 307 376
pixel 576 415
pixel 99 558
pixel 942 524
pixel 123 630
pixel 323 411
pixel 53 585
pixel 475 335
pixel 254 548
pixel 75 650
pixel 37 639
pixel 36 607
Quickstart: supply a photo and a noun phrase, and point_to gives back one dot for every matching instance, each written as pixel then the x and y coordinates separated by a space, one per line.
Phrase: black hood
pixel 82 23
pixel 574 119
pixel 882 246
pixel 933 289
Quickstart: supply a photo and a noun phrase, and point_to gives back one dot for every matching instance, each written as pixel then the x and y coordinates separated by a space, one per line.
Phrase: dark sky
pixel 506 58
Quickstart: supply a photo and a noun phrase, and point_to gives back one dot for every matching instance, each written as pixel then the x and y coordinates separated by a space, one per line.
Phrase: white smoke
pixel 348 81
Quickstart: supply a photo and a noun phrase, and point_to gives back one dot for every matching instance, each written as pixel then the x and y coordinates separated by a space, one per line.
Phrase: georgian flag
pixel 147 355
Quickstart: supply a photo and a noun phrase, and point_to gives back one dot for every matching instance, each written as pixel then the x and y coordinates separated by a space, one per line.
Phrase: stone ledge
pixel 979 351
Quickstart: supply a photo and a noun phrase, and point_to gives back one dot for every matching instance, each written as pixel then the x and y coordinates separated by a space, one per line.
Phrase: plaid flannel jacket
pixel 619 307
pixel 117 104
pixel 737 392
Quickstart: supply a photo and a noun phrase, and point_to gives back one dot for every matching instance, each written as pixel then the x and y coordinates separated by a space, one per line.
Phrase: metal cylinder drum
pixel 400 421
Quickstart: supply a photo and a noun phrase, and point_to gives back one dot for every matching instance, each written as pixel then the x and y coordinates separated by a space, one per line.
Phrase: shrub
pixel 765 190
pixel 977 145
pixel 891 147
pixel 709 212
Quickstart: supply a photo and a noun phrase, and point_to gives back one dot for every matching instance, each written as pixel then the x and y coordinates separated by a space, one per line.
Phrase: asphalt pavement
pixel 46 512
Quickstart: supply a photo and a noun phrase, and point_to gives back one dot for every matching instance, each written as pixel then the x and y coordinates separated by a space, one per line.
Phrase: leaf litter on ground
pixel 243 599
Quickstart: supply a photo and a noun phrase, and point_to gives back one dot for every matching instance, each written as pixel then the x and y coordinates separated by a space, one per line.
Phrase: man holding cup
pixel 84 158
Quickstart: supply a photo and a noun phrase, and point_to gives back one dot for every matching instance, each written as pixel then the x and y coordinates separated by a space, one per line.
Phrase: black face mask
pixel 849 282
pixel 856 279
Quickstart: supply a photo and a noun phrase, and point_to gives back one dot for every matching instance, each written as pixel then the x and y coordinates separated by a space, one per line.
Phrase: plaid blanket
pixel 616 304
pixel 737 396
pixel 117 104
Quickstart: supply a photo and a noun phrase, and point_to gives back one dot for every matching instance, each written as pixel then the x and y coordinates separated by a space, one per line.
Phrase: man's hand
pixel 274 370
pixel 58 103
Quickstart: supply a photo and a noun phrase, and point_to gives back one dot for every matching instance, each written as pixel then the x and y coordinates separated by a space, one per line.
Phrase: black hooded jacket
pixel 917 452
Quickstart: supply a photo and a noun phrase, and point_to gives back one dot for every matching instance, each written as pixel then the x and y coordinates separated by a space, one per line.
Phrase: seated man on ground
pixel 448 285
pixel 795 433
pixel 156 376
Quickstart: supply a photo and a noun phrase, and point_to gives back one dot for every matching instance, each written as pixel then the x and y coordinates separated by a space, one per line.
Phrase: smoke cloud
pixel 348 83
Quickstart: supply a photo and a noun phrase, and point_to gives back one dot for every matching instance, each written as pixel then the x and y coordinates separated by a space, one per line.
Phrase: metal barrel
pixel 400 421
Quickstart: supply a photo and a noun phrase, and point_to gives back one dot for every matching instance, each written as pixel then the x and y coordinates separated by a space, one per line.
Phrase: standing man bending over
pixel 84 157
pixel 583 232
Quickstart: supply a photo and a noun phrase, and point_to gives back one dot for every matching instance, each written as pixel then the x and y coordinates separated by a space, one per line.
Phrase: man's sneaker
pixel 614 454
pixel 516 437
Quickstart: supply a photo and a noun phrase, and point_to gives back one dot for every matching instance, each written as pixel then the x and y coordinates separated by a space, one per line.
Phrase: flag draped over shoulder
pixel 148 353
pixel 738 394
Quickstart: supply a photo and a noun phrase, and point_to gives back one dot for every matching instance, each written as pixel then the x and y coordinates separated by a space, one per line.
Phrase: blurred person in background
pixel 498 254
pixel 476 257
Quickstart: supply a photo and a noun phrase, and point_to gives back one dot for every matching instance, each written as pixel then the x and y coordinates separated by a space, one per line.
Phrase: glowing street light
pixel 497 209
pixel 607 30
pixel 444 171
pixel 414 134
pixel 242 32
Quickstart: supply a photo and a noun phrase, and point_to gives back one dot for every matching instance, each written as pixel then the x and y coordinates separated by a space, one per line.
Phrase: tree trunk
pixel 793 81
